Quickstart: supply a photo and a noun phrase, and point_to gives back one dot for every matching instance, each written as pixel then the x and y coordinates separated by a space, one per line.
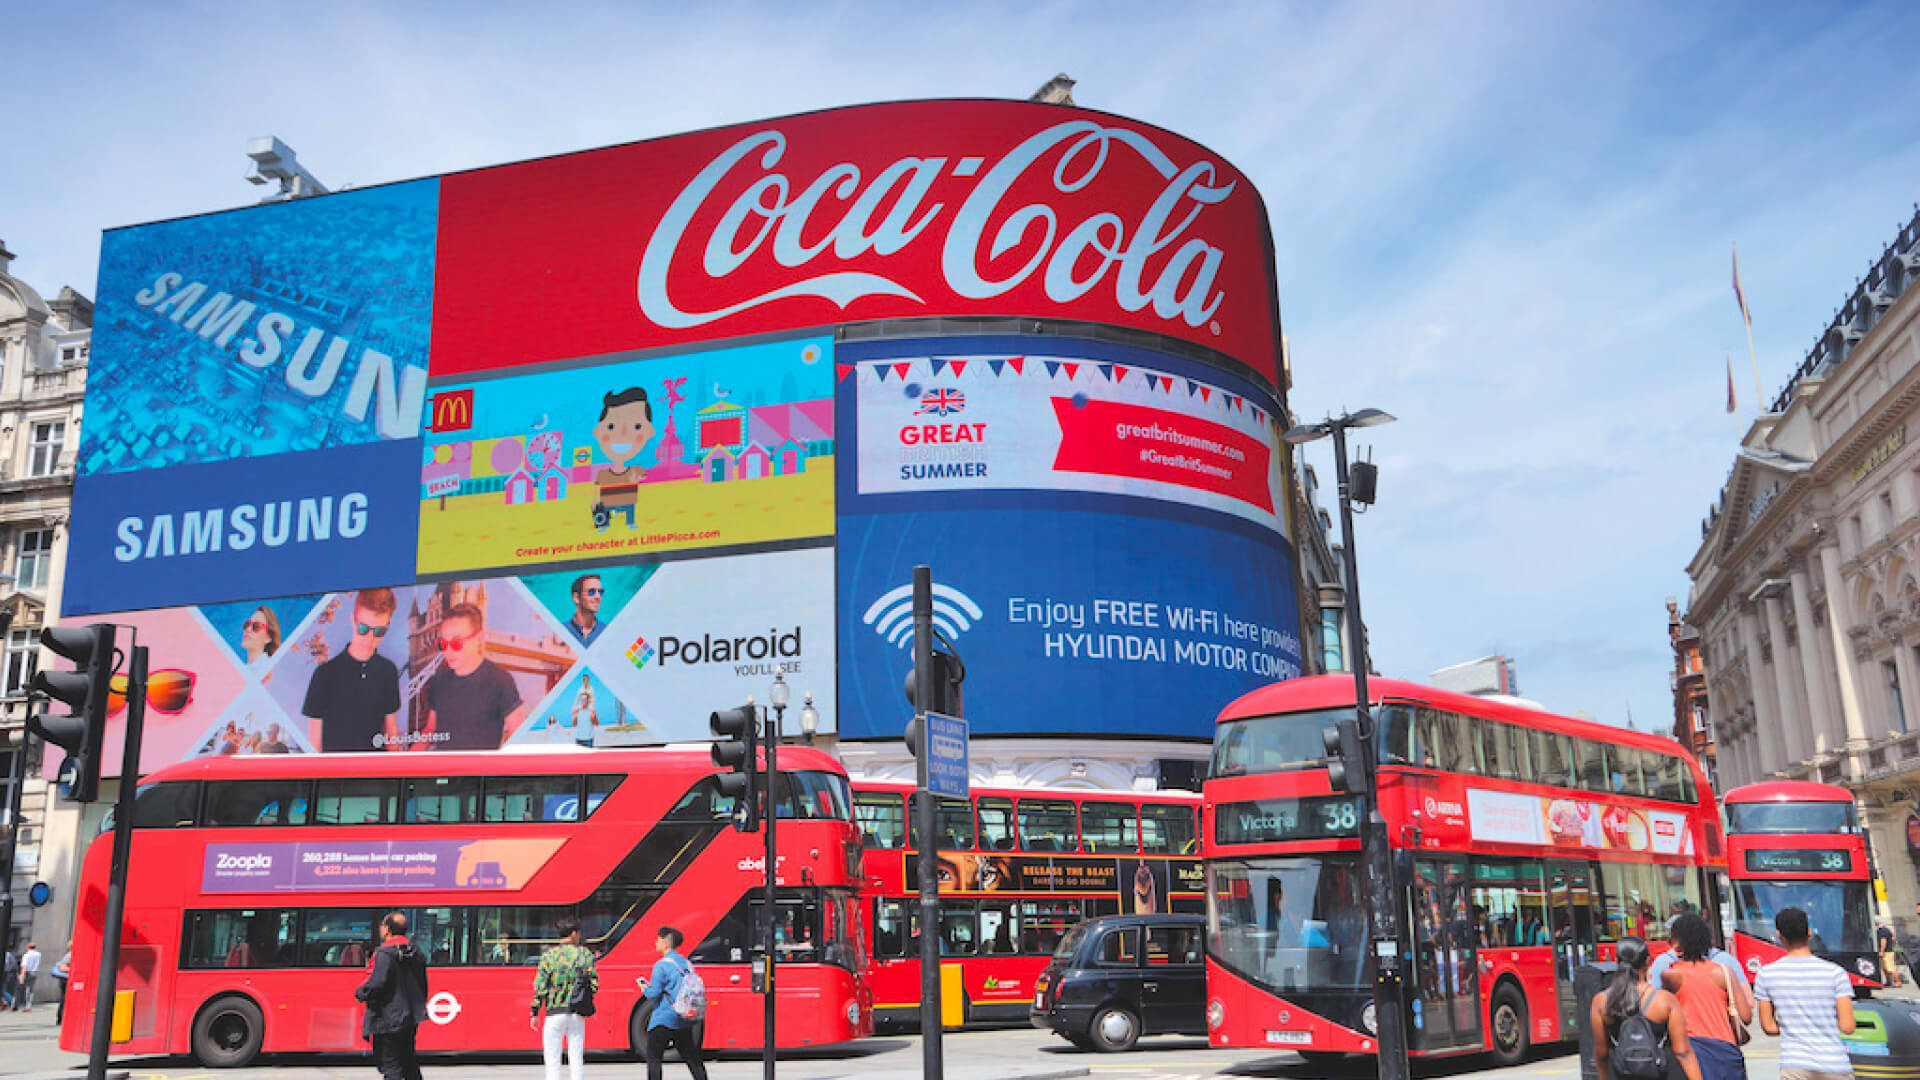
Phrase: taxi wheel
pixel 228 1032
pixel 1114 1029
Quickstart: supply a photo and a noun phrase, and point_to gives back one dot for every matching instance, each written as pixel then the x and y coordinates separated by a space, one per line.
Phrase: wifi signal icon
pixel 891 616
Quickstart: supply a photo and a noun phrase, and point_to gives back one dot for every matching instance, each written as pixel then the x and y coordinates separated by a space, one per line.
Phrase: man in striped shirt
pixel 1808 1003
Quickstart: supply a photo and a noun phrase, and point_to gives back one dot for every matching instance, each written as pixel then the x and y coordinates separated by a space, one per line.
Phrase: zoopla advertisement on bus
pixel 1066 619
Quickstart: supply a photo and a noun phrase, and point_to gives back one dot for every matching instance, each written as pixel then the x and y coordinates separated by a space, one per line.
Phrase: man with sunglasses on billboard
pixel 472 703
pixel 587 594
pixel 353 700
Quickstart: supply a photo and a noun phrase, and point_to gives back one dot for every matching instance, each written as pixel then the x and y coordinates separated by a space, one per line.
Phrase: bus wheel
pixel 1113 1029
pixel 1509 1016
pixel 228 1032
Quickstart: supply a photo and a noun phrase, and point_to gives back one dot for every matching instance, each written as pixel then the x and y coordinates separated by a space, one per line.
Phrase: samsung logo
pixel 238 528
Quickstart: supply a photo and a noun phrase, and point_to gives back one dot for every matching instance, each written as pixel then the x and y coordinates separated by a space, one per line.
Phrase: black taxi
pixel 1118 977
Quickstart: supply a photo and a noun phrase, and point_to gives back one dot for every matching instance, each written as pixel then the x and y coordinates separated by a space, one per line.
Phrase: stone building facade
pixel 1688 680
pixel 43 371
pixel 1806 585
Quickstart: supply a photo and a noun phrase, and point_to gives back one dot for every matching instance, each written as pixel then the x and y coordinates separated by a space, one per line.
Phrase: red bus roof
pixel 646 759
pixel 1788 791
pixel 1333 691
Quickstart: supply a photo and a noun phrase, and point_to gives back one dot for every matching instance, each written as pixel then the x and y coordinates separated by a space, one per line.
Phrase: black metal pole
pixel 108 973
pixel 16 779
pixel 931 1066
pixel 1383 893
pixel 772 743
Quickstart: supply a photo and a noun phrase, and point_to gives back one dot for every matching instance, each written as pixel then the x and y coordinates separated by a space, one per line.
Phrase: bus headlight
pixel 853 1014
pixel 1368 1019
pixel 1216 1013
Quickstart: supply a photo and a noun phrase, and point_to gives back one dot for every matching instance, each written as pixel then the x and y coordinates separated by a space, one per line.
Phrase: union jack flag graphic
pixel 940 402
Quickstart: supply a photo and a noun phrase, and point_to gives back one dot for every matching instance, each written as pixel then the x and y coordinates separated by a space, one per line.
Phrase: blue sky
pixel 1507 224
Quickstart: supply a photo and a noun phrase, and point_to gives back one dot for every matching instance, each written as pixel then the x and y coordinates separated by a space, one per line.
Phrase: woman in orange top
pixel 1711 996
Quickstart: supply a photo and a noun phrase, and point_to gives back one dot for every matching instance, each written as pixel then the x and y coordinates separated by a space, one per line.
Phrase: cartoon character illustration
pixel 625 428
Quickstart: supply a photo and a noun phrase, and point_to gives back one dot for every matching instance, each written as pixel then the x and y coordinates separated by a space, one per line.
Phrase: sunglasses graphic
pixel 255 624
pixel 594 590
pixel 168 691
pixel 376 631
pixel 447 644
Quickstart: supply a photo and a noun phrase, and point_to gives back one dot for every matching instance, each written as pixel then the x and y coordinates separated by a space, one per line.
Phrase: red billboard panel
pixel 946 208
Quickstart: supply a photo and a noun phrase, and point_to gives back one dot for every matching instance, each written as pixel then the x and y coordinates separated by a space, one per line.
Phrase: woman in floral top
pixel 563 969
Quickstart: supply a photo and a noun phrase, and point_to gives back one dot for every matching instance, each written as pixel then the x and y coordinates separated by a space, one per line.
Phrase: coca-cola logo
pixel 808 226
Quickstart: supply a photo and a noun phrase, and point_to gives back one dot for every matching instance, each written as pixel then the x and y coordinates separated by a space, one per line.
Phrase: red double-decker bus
pixel 256 885
pixel 1795 843
pixel 1526 844
pixel 1018 868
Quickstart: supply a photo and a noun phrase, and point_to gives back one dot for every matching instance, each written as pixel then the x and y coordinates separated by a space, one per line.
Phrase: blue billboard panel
pixel 250 527
pixel 1069 620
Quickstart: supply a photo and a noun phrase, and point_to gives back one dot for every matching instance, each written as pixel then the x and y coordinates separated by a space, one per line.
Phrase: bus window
pixel 815 794
pixel 352 802
pixel 531 798
pixel 445 933
pixel 1398 746
pixel 442 800
pixel 599 786
pixel 890 928
pixel 1590 759
pixel 1532 889
pixel 1044 922
pixel 1514 744
pixel 1552 759
pixel 1453 752
pixel 1486 737
pixel 338 937
pixel 1108 827
pixel 959 928
pixel 1048 825
pixel 518 935
pixel 256 802
pixel 999 927
pixel 170 804
pixel 882 816
pixel 1665 782
pixel 996 823
pixel 953 825
pixel 247 938
pixel 1169 830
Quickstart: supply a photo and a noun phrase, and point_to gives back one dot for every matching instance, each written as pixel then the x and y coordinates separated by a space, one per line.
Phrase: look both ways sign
pixel 947 774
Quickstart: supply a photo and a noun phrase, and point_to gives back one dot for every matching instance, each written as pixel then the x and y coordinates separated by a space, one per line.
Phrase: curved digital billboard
pixel 645 422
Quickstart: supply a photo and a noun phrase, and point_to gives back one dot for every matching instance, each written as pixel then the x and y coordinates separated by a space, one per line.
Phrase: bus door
pixel 1446 1008
pixel 1571 917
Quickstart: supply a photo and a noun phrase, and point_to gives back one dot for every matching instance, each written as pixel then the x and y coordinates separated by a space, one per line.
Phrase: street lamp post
pixel 1383 893
pixel 777 696
pixel 809 719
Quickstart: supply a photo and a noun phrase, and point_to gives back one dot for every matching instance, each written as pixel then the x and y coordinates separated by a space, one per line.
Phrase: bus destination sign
pixel 1798 861
pixel 1268 821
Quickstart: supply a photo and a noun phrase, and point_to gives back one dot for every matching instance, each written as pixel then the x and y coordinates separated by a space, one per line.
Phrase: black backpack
pixel 1639 1049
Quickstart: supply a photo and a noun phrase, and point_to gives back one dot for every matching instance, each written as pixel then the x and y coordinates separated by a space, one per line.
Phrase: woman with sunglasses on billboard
pixel 260 634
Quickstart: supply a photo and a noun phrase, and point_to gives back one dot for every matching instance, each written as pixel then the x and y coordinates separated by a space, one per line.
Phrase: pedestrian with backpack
pixel 1807 1002
pixel 564 986
pixel 679 1002
pixel 1638 1028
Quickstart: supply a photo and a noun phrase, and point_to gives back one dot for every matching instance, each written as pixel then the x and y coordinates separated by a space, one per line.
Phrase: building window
pixel 1331 653
pixel 1893 689
pixel 73 354
pixel 36 554
pixel 23 652
pixel 49 439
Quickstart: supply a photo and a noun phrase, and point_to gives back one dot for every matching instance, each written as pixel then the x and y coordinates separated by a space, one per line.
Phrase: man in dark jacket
pixel 396 997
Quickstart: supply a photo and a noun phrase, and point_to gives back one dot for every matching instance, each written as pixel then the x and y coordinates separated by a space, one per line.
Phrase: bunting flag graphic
pixel 902 368
pixel 1192 388
pixel 997 365
pixel 842 371
pixel 1731 404
pixel 1166 383
pixel 1119 372
pixel 1053 367
pixel 1206 393
pixel 1106 371
pixel 880 371
pixel 1018 364
pixel 959 366
pixel 937 364
pixel 1073 370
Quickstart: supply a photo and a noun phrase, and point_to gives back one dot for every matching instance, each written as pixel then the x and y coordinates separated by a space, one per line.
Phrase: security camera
pixel 274 161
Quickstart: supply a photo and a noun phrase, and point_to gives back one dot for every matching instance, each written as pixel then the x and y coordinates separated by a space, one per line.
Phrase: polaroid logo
pixel 314 519
pixel 639 653
pixel 707 649
pixel 243 864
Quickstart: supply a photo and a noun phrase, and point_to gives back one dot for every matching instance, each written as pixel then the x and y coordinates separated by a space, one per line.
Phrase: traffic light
pixel 1346 757
pixel 85 691
pixel 736 747
pixel 948 674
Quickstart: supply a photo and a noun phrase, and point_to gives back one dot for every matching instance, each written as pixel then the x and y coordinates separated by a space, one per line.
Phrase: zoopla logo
pixel 891 616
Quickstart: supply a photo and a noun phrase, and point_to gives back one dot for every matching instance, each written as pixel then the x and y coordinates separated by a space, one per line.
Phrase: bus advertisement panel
pixel 1531 843
pixel 290 863
pixel 1017 869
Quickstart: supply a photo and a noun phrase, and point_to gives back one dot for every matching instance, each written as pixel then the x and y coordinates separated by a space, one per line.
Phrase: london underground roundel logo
pixel 442 1008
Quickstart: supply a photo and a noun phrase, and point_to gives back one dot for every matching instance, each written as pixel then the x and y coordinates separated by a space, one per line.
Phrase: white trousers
pixel 571 1028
